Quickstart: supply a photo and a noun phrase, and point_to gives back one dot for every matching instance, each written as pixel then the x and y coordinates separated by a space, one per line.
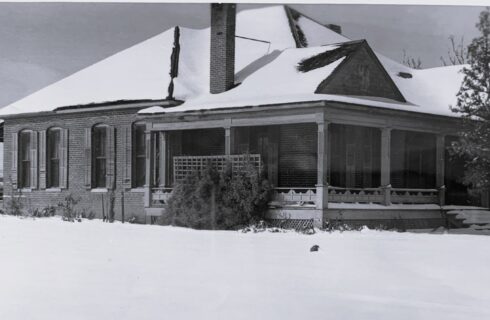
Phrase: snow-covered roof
pixel 266 60
pixel 140 72
pixel 433 89
pixel 278 81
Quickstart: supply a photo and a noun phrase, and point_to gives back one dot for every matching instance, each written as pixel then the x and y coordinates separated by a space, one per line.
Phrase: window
pixel 24 180
pixel 99 156
pixel 139 155
pixel 53 157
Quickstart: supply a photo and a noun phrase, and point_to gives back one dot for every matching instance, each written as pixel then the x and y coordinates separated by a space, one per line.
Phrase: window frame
pixel 138 154
pixel 24 182
pixel 97 159
pixel 49 169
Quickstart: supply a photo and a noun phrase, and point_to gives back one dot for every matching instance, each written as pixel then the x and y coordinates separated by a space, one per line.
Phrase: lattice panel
pixel 185 165
pixel 296 224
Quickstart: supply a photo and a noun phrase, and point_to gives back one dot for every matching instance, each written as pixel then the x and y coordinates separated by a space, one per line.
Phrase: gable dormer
pixel 359 74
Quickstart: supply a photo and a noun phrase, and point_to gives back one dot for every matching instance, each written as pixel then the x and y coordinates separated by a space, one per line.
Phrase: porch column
pixel 163 160
pixel 322 167
pixel 440 155
pixel 386 164
pixel 229 140
pixel 149 165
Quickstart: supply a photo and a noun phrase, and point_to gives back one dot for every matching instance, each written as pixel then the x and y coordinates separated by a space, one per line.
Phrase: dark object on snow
pixel 405 75
pixel 314 248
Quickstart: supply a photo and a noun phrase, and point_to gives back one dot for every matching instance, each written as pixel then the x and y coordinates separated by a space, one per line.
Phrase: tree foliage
pixel 473 104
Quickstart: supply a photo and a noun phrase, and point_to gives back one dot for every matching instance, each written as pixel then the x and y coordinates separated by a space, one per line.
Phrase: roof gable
pixel 360 74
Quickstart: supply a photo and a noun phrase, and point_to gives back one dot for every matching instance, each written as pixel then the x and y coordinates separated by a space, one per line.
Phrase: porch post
pixel 322 166
pixel 149 165
pixel 229 140
pixel 440 155
pixel 163 161
pixel 386 164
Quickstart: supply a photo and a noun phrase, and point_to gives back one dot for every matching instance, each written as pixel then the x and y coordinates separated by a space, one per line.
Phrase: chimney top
pixel 334 27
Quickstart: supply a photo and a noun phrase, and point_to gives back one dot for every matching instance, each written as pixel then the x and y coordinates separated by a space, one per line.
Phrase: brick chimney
pixel 222 66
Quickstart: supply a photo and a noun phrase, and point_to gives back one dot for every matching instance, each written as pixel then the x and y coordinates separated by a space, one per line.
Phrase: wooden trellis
pixel 185 165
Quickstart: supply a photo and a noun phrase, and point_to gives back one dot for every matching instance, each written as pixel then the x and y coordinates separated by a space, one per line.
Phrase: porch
pixel 311 163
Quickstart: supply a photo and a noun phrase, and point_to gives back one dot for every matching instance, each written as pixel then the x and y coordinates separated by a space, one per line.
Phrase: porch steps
pixel 477 218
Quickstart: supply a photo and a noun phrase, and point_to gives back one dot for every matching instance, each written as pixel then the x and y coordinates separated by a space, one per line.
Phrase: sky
pixel 41 43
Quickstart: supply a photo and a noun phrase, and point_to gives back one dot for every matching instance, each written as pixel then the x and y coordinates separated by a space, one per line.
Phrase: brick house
pixel 342 132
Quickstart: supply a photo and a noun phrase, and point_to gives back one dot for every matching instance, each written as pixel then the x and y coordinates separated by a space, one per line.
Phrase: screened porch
pixel 309 164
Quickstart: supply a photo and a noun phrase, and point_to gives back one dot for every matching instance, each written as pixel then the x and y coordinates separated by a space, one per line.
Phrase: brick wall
pixel 76 124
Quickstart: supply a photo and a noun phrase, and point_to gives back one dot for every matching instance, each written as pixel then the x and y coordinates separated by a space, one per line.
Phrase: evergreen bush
pixel 209 199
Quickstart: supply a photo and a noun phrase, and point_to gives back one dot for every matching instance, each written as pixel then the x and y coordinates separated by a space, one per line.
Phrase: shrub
pixel 13 205
pixel 45 212
pixel 68 208
pixel 209 199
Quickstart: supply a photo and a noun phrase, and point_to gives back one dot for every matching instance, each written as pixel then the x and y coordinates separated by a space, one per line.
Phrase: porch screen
pixel 354 156
pixel 413 159
pixel 203 142
pixel 298 155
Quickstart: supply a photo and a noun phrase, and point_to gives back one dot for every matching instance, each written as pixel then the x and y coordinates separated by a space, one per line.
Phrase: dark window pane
pixel 140 172
pixel 99 144
pixel 100 173
pixel 24 160
pixel 100 137
pixel 54 173
pixel 53 156
pixel 139 156
pixel 25 176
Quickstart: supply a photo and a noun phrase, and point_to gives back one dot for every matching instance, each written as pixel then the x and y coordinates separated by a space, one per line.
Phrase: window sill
pixel 53 190
pixel 138 190
pixel 99 190
pixel 25 190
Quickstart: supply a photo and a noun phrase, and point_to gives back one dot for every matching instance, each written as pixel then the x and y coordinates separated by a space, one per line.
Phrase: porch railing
pixel 415 196
pixel 293 196
pixel 382 195
pixel 356 195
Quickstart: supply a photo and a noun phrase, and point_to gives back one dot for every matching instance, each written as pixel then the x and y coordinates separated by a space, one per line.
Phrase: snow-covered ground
pixel 51 269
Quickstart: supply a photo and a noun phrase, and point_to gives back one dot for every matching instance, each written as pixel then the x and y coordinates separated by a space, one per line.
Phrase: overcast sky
pixel 41 43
